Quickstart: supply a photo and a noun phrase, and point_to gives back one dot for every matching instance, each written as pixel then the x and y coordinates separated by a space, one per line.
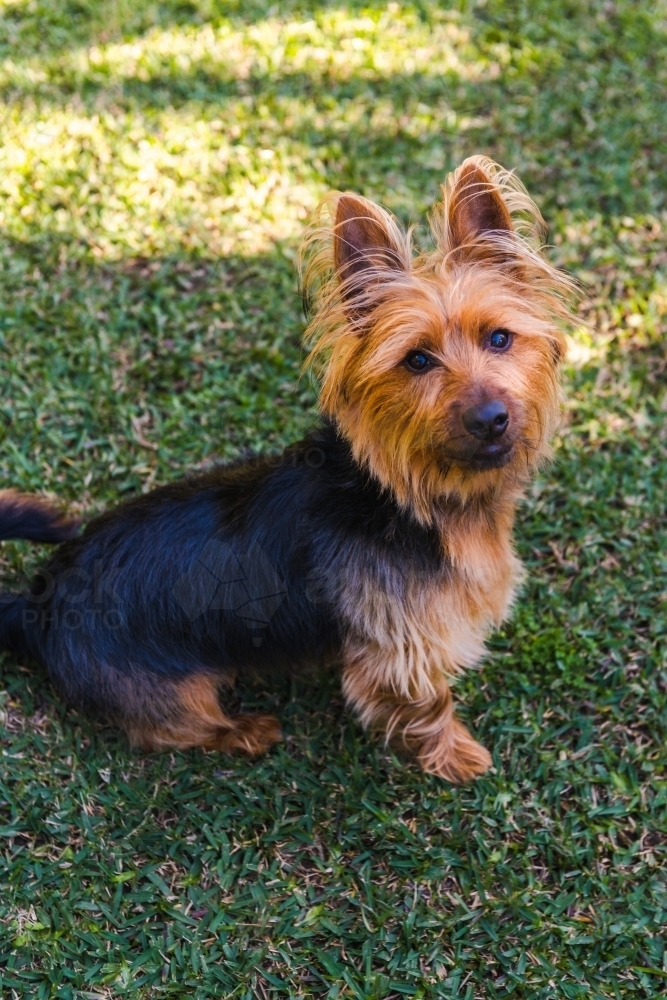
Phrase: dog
pixel 381 541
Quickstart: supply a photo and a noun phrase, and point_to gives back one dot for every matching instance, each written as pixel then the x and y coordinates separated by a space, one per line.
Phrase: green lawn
pixel 157 163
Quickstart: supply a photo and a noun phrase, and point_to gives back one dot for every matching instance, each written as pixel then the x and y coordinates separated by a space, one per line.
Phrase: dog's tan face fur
pixel 380 310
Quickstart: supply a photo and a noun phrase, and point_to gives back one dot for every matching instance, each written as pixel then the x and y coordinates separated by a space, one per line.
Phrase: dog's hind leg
pixel 425 725
pixel 191 716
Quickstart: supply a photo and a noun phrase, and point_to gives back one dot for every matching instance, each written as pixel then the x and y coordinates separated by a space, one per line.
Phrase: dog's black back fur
pixel 240 568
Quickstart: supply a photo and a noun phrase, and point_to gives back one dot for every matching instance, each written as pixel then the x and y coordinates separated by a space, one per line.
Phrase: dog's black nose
pixel 486 421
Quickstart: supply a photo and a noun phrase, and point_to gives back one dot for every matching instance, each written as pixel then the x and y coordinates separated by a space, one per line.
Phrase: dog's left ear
pixel 476 209
pixel 366 248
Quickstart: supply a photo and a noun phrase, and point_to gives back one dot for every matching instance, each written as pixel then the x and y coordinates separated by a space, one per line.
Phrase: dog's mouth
pixel 491 455
pixel 487 455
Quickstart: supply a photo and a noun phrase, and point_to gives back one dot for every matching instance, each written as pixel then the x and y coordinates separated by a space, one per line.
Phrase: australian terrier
pixel 383 540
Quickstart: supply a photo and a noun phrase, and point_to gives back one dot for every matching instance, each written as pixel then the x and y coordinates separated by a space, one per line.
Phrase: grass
pixel 157 162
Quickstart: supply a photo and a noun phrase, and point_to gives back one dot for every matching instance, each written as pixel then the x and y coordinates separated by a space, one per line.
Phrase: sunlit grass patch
pixel 128 184
pixel 332 44
pixel 223 133
pixel 86 158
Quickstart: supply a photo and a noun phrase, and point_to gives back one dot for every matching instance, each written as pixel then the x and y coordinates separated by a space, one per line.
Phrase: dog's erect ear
pixel 364 246
pixel 476 208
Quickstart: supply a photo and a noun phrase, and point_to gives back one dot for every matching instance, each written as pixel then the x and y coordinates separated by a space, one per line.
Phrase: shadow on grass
pixel 118 376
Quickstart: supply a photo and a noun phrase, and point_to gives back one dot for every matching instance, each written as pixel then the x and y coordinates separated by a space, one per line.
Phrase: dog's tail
pixel 25 516
pixel 35 519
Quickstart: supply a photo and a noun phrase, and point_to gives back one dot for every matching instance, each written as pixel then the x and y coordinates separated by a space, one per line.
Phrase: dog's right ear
pixel 475 209
pixel 367 249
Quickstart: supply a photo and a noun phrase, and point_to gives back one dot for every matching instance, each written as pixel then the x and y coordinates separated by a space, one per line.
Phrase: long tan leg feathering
pixel 426 726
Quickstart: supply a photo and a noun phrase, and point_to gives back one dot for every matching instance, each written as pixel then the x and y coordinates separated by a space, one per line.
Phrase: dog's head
pixel 440 369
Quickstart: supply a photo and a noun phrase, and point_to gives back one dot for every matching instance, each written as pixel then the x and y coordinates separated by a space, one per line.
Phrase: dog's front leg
pixel 425 724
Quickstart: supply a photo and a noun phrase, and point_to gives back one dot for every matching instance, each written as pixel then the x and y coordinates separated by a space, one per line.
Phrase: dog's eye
pixel 418 362
pixel 499 340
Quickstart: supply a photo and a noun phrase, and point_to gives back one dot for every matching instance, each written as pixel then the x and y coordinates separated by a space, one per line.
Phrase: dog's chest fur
pixel 409 625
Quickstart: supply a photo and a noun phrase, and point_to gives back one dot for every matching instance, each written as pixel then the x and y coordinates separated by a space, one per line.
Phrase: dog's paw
pixel 454 755
pixel 250 734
